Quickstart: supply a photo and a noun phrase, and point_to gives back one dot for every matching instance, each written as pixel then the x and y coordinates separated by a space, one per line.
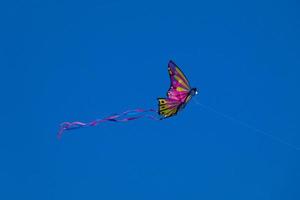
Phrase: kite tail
pixel 122 117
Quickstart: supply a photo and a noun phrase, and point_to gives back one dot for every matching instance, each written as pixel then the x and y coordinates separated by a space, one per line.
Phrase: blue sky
pixel 82 60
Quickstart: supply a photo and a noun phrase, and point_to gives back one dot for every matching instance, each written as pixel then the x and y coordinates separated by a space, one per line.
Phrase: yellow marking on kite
pixel 182 75
pixel 162 107
pixel 162 101
pixel 165 112
pixel 181 82
pixel 180 89
pixel 170 112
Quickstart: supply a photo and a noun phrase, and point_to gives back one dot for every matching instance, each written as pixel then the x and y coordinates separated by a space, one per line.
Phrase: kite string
pixel 275 138
pixel 122 117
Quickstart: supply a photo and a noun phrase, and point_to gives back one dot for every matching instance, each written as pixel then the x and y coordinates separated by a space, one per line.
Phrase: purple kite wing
pixel 180 86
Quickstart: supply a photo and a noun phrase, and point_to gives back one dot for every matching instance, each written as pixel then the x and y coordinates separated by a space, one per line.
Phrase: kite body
pixel 178 95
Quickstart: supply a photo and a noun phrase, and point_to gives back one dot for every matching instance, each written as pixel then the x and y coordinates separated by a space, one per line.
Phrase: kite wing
pixel 168 107
pixel 180 86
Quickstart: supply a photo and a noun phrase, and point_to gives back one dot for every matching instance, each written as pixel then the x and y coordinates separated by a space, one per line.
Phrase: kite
pixel 178 95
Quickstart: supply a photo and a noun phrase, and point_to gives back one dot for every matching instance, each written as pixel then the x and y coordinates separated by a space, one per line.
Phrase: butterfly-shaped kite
pixel 178 95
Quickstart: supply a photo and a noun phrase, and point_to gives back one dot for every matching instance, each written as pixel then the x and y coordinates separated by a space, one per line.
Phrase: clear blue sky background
pixel 81 60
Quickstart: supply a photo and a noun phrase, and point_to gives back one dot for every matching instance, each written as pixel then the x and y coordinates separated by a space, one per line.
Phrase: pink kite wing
pixel 180 87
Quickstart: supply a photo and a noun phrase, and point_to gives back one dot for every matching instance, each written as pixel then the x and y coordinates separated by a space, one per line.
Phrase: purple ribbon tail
pixel 122 117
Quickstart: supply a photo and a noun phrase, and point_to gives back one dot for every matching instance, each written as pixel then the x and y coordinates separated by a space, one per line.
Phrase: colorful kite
pixel 178 95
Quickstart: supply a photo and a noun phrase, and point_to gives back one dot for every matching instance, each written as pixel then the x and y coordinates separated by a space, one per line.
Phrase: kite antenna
pixel 230 118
